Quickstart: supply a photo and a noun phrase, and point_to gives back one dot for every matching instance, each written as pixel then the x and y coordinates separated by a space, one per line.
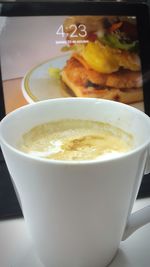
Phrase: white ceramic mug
pixel 78 212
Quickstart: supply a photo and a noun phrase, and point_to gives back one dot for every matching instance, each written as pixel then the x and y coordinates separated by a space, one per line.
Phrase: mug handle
pixel 147 166
pixel 136 220
pixel 140 217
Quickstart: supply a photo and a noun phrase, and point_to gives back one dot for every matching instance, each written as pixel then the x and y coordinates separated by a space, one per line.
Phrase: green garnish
pixel 54 73
pixel 115 42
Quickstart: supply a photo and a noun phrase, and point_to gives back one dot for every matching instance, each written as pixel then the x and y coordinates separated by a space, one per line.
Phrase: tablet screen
pixel 45 57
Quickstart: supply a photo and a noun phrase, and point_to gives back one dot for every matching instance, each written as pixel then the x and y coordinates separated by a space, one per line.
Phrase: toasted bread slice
pixel 128 96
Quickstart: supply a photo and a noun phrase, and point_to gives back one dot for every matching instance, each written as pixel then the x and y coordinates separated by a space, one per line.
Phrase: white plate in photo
pixel 38 84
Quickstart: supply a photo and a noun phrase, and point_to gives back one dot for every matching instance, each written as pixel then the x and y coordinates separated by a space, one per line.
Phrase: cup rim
pixel 73 162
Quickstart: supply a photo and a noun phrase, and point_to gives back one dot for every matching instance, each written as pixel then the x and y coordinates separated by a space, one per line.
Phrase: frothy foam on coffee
pixel 76 140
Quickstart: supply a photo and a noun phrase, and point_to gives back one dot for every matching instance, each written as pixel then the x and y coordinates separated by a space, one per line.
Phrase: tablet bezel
pixel 140 10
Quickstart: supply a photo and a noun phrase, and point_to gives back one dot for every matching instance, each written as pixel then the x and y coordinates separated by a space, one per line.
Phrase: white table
pixel 16 249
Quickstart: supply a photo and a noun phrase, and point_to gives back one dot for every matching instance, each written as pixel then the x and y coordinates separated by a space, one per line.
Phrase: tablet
pixel 74 49
pixel 77 49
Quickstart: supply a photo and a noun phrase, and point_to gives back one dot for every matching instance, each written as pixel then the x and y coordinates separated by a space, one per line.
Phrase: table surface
pixel 16 248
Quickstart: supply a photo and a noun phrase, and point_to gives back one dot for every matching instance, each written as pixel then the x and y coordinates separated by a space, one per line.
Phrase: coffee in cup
pixel 71 139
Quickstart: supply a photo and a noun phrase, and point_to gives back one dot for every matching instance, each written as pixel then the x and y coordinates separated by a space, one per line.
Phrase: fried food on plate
pixel 107 66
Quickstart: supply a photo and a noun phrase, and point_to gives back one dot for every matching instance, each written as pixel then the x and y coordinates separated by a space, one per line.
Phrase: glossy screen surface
pixel 45 57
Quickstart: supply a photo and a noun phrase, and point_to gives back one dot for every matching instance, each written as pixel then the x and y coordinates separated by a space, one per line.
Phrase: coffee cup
pixel 78 212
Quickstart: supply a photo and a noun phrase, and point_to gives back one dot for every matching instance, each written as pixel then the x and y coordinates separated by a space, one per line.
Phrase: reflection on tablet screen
pixel 47 57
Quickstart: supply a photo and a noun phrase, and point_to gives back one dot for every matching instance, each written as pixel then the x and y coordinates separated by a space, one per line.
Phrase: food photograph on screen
pixel 70 56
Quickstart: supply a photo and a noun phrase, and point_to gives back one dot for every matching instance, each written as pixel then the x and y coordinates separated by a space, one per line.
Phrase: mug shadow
pixel 120 259
pixel 30 259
